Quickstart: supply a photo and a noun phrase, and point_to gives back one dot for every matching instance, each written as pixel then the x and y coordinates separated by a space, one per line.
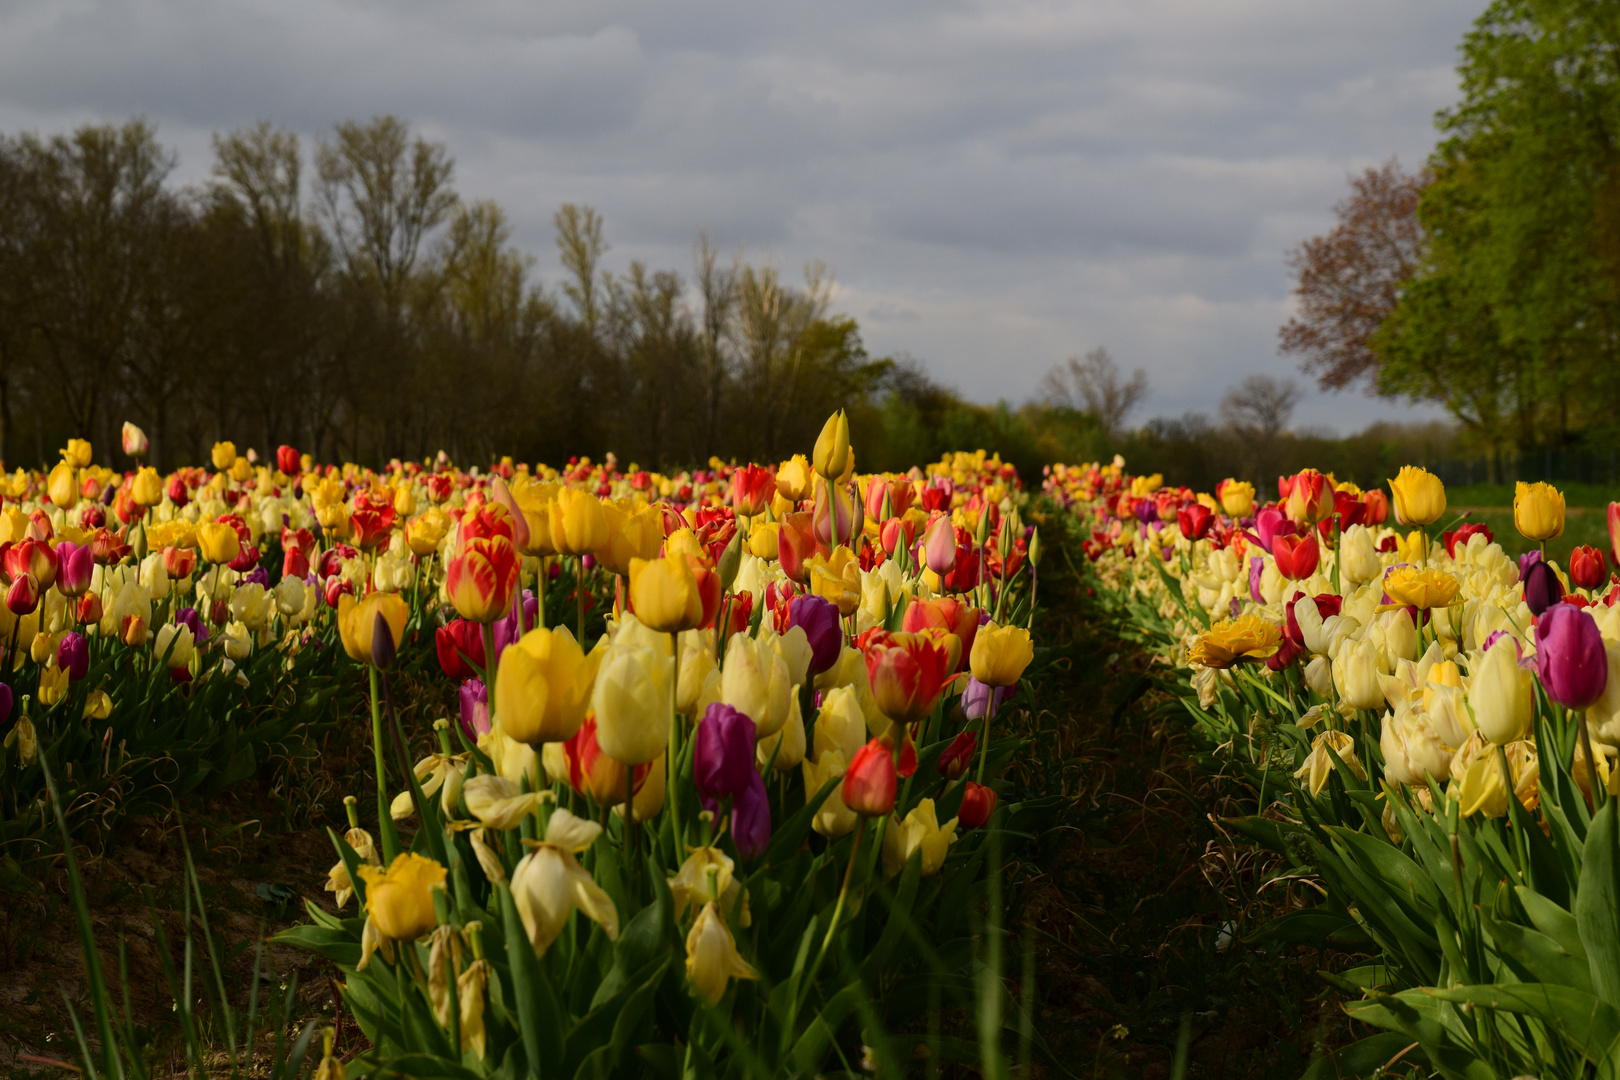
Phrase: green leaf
pixel 1538 957
pixel 335 945
pixel 1588 1024
pixel 1365 1057
pixel 1597 904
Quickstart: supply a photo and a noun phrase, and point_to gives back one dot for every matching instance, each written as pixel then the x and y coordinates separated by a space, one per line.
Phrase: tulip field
pixel 747 770
pixel 1429 727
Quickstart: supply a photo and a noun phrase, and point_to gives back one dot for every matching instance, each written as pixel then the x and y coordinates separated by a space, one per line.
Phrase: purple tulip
pixel 191 618
pixel 73 655
pixel 1146 511
pixel 818 617
pixel 257 576
pixel 5 703
pixel 976 698
pixel 1267 524
pixel 474 708
pixel 1542 589
pixel 1570 659
pixel 1257 566
pixel 507 630
pixel 723 759
pixel 751 817
pixel 1527 560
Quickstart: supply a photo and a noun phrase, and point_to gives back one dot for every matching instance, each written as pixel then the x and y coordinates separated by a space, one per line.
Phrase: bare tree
pixel 580 247
pixel 1093 385
pixel 1350 279
pixel 1260 406
pixel 718 287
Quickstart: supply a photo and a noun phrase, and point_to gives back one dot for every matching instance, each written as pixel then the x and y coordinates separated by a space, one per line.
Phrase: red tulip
pixel 1195 520
pixel 955 759
pixel 1308 498
pixel 751 489
pixel 871 780
pixel 23 596
pixel 1296 556
pixel 1459 536
pixel 1377 504
pixel 460 645
pixel 294 563
pixel 1586 567
pixel 178 492
pixel 289 460
pixel 978 803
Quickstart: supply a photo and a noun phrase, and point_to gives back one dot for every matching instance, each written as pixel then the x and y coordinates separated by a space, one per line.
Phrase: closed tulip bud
pixel 1000 654
pixel 1542 589
pixel 62 486
pixel 578 525
pixel 1500 694
pixel 383 648
pixel 146 490
pixel 399 900
pixel 1358 556
pixel 134 440
pixel 1420 497
pixel 956 758
pixel 1355 672
pixel 664 594
pixel 1587 569
pixel 756 682
pixel 73 655
pixel 978 803
pixel 870 782
pixel 939 545
pixel 288 460
pixel 631 702
pixel 174 645
pixel 831 456
pixel 543 686
pixel 482 578
pixel 1309 498
pixel 132 631
pixel 22 598
pixel 1538 511
pixel 75 564
pixel 1570 657
pixel 1236 496
pixel 357 622
pixel 89 610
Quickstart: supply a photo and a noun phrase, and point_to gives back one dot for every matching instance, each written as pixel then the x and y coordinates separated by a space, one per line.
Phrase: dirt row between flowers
pixel 1131 911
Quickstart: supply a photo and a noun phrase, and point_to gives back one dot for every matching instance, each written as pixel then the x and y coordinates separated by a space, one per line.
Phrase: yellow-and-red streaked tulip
pixel 63 486
pixel 36 558
pixel 482 577
pixel 1420 497
pixel 909 672
pixel 218 542
pixel 1538 511
pixel 578 525
pixel 543 686
pixel 357 622
pixel 1310 497
pixel 146 490
pixel 502 495
pixel 751 488
pixel 1000 654
pixel 635 531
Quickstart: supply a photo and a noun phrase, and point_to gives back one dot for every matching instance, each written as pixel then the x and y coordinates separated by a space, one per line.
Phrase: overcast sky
pixel 998 186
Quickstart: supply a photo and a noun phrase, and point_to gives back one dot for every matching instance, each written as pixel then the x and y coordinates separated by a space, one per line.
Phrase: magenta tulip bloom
pixel 751 818
pixel 1570 659
pixel 474 697
pixel 73 655
pixel 75 563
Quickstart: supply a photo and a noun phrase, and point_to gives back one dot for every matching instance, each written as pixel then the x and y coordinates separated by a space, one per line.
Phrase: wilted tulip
pixel 399 900
pixel 548 884
pixel 712 959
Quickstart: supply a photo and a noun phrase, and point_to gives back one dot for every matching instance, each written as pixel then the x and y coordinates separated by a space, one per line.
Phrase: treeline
pixel 1489 280
pixel 353 303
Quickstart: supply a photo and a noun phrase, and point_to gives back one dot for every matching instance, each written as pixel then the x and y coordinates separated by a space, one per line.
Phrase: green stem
pixel 672 751
pixel 579 597
pixel 838 908
pixel 385 820
pixel 984 747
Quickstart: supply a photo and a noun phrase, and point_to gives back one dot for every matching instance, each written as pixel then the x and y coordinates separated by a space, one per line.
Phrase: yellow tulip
pixel 174 645
pixel 63 486
pixel 793 479
pixel 577 524
pixel 632 703
pixel 424 534
pixel 533 499
pixel 1538 510
pixel 832 446
pixel 147 487
pixel 755 682
pixel 708 876
pixel 763 539
pixel 1237 498
pixel 543 686
pixel 399 900
pixel 1420 497
pixel 218 542
pixel 635 531
pixel 1483 787
pixel 53 685
pixel 837 577
pixel 223 455
pixel 548 884
pixel 1425 589
pixel 404 502
pixel 712 959
pixel 664 594
pixel 77 453
pixel 834 819
pixel 919 831
pixel 357 620
pixel 1000 654
pixel 1226 643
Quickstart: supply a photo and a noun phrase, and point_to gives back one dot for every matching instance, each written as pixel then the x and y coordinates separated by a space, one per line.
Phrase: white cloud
pixel 999 185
